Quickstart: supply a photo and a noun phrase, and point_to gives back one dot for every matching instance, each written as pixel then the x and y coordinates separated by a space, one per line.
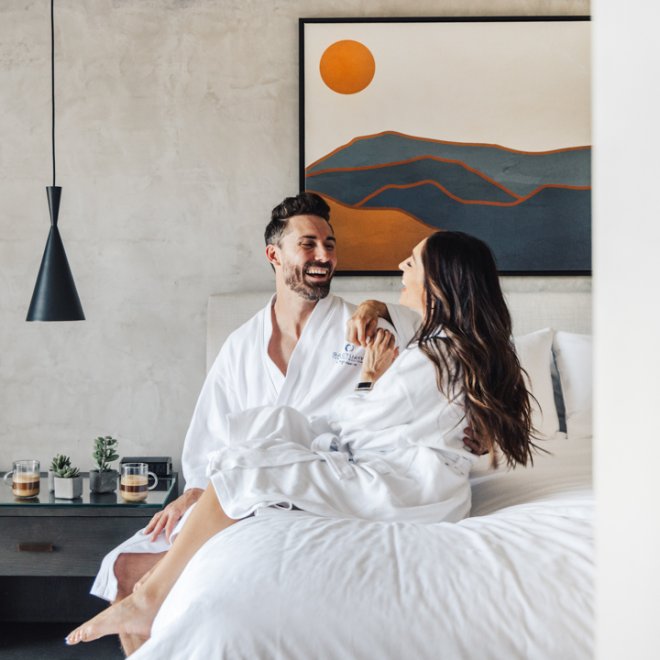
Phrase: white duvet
pixel 512 581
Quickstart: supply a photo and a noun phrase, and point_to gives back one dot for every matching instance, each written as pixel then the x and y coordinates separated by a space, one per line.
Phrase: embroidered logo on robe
pixel 347 356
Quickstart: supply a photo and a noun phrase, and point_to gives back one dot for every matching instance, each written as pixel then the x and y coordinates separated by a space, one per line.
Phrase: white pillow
pixel 573 355
pixel 535 355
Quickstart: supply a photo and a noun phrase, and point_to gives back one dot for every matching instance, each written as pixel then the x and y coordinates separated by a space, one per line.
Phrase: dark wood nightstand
pixel 50 549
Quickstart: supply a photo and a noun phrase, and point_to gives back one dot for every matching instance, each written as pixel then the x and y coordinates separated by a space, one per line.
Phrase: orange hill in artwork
pixel 365 236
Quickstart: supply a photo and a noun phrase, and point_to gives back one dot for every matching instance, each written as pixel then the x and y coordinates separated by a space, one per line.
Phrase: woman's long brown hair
pixel 476 357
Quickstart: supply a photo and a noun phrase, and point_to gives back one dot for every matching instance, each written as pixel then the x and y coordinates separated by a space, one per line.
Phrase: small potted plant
pixel 68 482
pixel 103 479
pixel 59 462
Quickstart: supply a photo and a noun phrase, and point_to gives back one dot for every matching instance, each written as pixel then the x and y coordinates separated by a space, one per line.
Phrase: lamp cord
pixel 52 76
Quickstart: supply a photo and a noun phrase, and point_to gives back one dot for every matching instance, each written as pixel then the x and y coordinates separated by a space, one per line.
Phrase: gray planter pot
pixel 103 482
pixel 68 489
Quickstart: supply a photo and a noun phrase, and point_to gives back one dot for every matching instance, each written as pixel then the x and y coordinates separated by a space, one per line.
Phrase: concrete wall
pixel 177 128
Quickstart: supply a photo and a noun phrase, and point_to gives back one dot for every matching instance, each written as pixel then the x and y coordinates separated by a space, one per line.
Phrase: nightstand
pixel 50 549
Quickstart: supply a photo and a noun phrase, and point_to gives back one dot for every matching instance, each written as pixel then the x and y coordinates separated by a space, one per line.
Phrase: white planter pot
pixel 68 489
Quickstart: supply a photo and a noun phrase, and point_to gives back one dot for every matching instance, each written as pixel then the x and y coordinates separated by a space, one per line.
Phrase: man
pixel 304 349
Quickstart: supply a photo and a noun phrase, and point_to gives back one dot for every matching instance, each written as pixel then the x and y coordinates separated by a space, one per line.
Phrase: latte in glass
pixel 25 479
pixel 134 482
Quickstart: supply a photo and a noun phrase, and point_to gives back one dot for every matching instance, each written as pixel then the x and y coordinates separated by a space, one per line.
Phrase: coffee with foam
pixel 134 487
pixel 25 484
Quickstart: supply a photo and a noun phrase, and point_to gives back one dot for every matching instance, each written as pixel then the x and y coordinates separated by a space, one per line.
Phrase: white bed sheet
pixel 512 581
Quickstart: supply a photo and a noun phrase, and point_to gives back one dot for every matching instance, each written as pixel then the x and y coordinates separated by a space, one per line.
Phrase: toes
pixel 79 635
pixel 73 637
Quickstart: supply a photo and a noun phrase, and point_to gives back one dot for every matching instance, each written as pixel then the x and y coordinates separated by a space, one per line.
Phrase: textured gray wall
pixel 177 128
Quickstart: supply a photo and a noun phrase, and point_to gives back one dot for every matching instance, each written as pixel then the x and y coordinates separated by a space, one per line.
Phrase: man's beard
pixel 294 278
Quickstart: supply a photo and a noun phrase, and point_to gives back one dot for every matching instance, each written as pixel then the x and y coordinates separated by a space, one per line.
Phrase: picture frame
pixel 474 124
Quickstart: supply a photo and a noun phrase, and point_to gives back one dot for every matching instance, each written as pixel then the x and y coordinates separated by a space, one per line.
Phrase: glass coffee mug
pixel 134 482
pixel 24 479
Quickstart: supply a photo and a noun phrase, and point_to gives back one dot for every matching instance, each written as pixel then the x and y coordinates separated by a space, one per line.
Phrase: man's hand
pixel 362 326
pixel 378 357
pixel 472 443
pixel 171 514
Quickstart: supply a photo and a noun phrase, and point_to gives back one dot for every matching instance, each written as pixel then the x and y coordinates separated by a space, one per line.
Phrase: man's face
pixel 307 256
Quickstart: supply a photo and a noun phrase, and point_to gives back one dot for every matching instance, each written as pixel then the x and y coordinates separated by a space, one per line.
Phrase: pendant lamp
pixel 55 297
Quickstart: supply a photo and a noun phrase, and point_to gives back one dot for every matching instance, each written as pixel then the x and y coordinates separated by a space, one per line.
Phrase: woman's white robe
pixel 395 453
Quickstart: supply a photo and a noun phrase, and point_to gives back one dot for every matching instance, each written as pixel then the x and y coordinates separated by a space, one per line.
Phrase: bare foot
pixel 133 615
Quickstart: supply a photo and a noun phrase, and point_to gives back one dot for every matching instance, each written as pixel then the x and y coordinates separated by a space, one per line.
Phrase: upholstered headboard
pixel 531 310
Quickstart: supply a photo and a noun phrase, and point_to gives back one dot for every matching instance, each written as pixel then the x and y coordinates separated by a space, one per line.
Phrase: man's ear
pixel 273 256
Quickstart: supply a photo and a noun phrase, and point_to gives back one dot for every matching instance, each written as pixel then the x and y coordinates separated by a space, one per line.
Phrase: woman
pixel 392 451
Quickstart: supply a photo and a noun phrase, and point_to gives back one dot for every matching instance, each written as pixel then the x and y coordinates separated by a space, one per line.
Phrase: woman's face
pixel 412 294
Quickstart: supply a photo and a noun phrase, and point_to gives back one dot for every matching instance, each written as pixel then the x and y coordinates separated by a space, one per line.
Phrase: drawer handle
pixel 35 547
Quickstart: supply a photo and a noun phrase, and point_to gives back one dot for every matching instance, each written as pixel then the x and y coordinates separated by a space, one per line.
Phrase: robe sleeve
pixel 209 422
pixel 388 404
pixel 405 322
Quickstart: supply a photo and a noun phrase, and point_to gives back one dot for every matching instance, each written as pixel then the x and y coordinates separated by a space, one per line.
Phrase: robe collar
pixel 318 315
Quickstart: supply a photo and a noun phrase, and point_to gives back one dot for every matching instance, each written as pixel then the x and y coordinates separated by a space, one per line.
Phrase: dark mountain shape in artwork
pixel 520 172
pixel 354 185
pixel 548 228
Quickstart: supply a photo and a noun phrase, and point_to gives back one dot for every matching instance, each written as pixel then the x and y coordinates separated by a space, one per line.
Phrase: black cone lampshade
pixel 55 297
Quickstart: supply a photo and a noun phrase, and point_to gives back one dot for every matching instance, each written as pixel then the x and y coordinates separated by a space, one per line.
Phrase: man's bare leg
pixel 129 568
pixel 134 614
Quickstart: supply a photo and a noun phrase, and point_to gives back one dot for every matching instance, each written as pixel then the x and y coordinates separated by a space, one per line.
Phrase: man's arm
pixel 172 513
pixel 364 322
pixel 473 443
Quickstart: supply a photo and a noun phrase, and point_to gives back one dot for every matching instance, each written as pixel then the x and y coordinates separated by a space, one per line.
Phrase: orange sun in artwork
pixel 347 67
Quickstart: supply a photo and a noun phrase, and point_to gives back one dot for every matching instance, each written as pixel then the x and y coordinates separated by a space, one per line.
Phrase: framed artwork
pixel 481 125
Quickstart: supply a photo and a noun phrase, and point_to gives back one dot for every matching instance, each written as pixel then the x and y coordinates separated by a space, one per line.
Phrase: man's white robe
pixel 323 367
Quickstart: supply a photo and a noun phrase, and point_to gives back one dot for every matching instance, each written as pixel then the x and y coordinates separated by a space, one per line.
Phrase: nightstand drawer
pixel 62 545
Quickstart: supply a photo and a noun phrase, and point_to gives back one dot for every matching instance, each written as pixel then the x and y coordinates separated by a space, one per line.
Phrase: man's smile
pixel 318 272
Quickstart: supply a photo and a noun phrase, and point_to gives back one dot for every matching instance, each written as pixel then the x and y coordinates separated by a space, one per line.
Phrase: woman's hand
pixel 381 352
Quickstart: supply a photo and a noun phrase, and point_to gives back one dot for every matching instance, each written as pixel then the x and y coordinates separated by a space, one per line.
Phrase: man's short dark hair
pixel 305 203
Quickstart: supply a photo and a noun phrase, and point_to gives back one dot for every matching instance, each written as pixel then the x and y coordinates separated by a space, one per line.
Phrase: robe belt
pixel 341 459
pixel 326 447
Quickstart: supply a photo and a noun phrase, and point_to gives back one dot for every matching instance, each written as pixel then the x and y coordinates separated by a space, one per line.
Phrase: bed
pixel 514 580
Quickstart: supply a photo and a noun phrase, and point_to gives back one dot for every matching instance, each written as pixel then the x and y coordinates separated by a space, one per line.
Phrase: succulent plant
pixel 59 463
pixel 61 466
pixel 104 452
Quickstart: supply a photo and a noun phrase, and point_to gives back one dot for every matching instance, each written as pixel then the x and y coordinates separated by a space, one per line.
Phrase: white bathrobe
pixel 322 368
pixel 395 453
